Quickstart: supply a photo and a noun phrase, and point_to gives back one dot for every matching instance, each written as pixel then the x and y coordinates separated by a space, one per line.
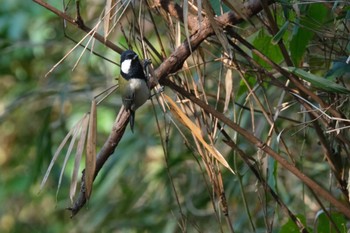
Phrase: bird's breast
pixel 140 90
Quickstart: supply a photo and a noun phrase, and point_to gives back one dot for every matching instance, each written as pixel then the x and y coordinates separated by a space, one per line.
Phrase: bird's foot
pixel 159 90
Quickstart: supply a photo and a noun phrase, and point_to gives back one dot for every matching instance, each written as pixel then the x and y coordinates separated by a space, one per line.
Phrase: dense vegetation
pixel 251 133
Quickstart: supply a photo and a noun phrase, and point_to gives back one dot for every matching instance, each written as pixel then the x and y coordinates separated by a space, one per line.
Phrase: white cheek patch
pixel 126 66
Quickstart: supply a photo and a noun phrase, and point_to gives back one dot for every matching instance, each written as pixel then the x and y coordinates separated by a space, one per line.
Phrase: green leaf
pixel 323 224
pixel 272 174
pixel 263 43
pixel 339 68
pixel 286 7
pixel 290 227
pixel 280 33
pixel 304 30
pixel 319 82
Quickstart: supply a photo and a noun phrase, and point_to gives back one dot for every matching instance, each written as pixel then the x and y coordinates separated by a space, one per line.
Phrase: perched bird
pixel 134 86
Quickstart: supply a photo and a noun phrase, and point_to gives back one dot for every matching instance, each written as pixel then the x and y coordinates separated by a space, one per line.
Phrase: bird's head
pixel 130 66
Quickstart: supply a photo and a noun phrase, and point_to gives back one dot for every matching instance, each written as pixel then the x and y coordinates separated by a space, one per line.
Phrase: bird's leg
pixel 146 68
pixel 146 63
pixel 159 90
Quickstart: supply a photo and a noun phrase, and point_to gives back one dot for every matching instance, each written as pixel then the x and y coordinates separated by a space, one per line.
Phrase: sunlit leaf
pixel 228 88
pixel 197 132
pixel 107 16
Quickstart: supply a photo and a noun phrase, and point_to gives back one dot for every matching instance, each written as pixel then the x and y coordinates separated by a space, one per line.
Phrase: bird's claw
pixel 146 63
pixel 158 91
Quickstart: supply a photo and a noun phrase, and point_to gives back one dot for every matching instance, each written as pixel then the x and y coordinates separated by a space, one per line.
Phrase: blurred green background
pixel 37 112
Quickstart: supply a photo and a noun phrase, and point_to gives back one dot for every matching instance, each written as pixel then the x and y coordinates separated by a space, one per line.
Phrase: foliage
pixel 165 178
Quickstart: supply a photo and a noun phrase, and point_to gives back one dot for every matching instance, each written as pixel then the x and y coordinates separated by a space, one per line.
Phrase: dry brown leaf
pixel 69 152
pixel 107 16
pixel 237 7
pixel 196 132
pixel 348 186
pixel 228 88
pixel 79 152
pixel 217 29
pixel 90 162
pixel 54 158
pixel 199 13
pixel 185 13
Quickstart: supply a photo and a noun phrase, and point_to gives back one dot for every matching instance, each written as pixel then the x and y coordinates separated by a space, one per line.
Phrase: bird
pixel 133 84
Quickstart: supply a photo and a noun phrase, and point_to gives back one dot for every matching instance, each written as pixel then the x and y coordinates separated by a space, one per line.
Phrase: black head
pixel 130 66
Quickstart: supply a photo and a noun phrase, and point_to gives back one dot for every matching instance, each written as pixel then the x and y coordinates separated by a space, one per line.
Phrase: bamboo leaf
pixel 78 155
pixel 340 67
pixel 218 30
pixel 54 158
pixel 196 132
pixel 185 13
pixel 280 33
pixel 348 186
pixel 304 30
pixel 76 128
pixel 228 88
pixel 107 16
pixel 263 43
pixel 237 7
pixel 90 162
pixel 319 82
pixel 199 13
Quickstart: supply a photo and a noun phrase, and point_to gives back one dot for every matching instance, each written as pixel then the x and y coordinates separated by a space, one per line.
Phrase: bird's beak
pixel 135 57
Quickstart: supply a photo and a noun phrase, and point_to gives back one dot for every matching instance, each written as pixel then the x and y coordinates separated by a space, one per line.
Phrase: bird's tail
pixel 132 120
